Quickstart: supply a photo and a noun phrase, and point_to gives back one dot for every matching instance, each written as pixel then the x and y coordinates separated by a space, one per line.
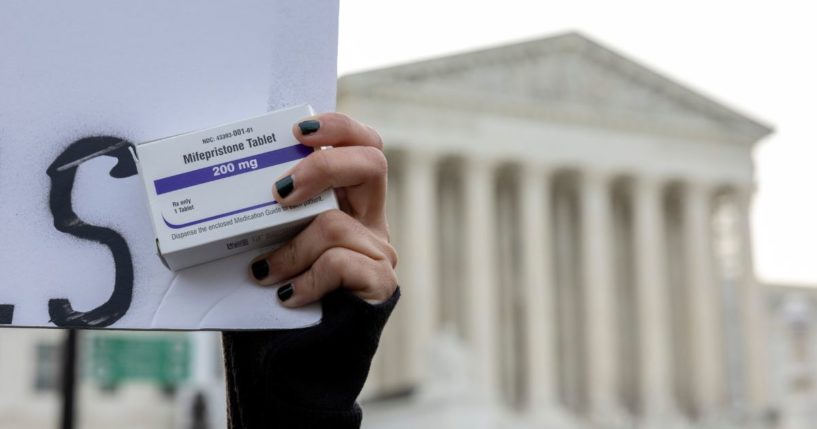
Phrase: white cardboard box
pixel 210 191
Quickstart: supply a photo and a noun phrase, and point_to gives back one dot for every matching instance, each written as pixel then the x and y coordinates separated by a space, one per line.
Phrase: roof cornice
pixel 395 83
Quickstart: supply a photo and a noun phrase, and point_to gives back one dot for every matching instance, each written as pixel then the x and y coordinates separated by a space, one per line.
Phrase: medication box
pixel 210 192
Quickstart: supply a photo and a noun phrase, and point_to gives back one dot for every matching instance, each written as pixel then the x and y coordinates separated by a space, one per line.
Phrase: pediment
pixel 569 75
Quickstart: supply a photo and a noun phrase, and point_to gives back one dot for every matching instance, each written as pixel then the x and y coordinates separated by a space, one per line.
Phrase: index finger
pixel 335 129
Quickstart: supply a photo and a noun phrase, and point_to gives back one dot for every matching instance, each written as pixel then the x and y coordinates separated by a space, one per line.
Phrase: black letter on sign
pixel 62 173
pixel 6 314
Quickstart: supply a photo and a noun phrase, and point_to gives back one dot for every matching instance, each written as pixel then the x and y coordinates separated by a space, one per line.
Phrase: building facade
pixel 793 354
pixel 575 244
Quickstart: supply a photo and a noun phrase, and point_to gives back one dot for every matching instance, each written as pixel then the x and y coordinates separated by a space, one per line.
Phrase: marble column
pixel 539 293
pixel 480 265
pixel 652 303
pixel 419 258
pixel 753 315
pixel 388 367
pixel 570 325
pixel 599 299
pixel 705 303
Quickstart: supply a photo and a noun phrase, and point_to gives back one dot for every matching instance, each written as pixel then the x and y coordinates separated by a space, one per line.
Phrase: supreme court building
pixel 575 244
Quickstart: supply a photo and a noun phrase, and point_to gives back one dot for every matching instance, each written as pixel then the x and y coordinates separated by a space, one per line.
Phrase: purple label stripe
pixel 207 219
pixel 206 174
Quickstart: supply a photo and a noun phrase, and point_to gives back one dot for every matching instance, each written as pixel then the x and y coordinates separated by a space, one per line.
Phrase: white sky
pixel 760 57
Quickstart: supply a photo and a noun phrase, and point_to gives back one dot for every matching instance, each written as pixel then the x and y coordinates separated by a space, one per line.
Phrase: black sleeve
pixel 305 378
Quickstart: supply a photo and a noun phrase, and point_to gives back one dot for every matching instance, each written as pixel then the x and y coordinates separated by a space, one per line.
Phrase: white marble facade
pixel 574 238
pixel 793 354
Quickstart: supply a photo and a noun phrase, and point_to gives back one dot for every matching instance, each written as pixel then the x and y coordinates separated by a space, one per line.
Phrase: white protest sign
pixel 83 81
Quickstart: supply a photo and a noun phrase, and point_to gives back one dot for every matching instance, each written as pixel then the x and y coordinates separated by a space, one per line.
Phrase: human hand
pixel 346 248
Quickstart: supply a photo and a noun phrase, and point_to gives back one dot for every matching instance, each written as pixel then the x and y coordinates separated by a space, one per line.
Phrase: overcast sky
pixel 757 57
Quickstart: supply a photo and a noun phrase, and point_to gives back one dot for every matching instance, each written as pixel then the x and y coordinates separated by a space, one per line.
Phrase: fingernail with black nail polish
pixel 260 269
pixel 309 127
pixel 285 292
pixel 285 186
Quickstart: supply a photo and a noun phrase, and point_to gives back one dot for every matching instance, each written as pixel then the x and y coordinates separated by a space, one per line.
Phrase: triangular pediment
pixel 569 76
